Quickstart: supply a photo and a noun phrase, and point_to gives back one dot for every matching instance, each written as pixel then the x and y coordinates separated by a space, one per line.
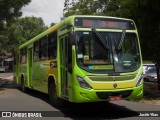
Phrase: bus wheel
pixel 54 99
pixel 23 89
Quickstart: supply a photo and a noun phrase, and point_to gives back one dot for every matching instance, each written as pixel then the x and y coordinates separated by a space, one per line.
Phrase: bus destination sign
pixel 107 23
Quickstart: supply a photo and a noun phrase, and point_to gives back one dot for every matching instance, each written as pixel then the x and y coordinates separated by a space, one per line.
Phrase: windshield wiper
pixel 121 41
pixel 101 40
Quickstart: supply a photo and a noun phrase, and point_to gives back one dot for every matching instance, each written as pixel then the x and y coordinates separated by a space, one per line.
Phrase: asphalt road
pixel 14 101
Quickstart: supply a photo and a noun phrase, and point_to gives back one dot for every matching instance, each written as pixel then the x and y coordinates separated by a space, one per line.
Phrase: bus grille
pixel 110 78
pixel 106 95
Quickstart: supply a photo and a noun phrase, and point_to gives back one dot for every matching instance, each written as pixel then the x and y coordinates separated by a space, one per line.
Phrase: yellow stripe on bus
pixel 105 86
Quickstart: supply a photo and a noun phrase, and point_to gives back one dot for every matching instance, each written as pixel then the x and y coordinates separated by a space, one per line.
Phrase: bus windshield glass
pixel 95 55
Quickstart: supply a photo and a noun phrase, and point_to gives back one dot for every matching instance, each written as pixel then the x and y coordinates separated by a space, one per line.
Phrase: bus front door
pixel 64 65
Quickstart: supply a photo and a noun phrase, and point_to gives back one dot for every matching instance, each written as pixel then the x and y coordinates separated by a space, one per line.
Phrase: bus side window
pixel 43 48
pixel 52 45
pixel 36 51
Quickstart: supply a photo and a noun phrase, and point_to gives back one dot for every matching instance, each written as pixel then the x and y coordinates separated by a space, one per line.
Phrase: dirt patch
pixel 151 93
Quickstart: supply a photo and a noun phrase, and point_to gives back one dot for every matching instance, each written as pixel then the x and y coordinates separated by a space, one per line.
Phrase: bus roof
pixel 95 16
pixel 67 21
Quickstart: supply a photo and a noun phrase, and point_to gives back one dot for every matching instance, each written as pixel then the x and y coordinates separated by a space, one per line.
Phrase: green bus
pixel 83 59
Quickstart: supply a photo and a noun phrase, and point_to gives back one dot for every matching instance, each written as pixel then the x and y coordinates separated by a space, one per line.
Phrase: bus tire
pixel 54 99
pixel 23 88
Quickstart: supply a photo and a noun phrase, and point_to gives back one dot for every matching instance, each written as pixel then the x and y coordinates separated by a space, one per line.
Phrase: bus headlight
pixel 140 80
pixel 83 83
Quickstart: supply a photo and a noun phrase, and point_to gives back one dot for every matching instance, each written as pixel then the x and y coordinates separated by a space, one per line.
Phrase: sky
pixel 49 10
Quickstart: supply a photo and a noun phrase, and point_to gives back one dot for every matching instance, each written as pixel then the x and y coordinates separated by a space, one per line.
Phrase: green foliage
pixel 84 7
pixel 10 9
pixel 91 7
pixel 21 31
pixel 3 51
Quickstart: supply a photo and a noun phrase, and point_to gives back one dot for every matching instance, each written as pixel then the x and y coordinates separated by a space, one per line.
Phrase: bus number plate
pixel 114 98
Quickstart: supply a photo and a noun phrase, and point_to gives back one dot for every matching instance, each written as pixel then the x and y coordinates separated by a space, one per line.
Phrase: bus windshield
pixel 107 52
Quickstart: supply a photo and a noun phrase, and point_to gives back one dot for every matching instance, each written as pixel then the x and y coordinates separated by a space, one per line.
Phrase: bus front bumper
pixel 85 95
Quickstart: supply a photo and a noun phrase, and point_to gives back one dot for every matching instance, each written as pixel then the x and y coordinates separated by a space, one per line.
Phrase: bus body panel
pixel 39 76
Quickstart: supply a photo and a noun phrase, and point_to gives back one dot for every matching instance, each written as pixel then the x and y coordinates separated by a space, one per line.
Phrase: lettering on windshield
pixel 95 62
pixel 100 67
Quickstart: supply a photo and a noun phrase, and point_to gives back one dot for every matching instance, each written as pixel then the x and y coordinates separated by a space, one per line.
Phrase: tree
pixel 80 7
pixel 90 7
pixel 3 52
pixel 10 9
pixel 21 31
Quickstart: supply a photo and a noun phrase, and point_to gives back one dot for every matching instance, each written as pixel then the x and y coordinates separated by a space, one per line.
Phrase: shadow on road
pixel 98 110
